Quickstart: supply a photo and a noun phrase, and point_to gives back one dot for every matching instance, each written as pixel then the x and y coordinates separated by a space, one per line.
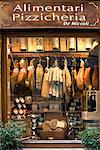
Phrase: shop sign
pixel 38 14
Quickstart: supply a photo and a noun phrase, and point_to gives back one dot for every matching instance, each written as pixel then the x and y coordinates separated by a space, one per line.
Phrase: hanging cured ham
pixel 46 85
pixel 95 78
pixel 80 76
pixel 39 76
pixel 73 76
pixel 23 71
pixel 66 81
pixel 87 80
pixel 66 77
pixel 22 86
pixel 14 75
pixel 31 77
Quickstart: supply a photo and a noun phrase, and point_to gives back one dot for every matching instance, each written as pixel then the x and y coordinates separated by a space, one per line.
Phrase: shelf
pixel 90 115
pixel 51 54
pixel 48 102
pixel 47 111
pixel 74 111
pixel 78 126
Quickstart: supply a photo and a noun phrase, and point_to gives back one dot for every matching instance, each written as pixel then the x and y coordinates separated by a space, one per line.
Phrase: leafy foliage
pixel 90 138
pixel 10 135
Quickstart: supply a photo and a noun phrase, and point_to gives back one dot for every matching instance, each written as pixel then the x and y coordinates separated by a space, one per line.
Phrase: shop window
pixel 47 79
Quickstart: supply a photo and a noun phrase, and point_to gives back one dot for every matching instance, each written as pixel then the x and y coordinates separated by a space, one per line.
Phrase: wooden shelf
pixel 47 111
pixel 74 112
pixel 48 102
pixel 90 115
pixel 51 54
pixel 78 126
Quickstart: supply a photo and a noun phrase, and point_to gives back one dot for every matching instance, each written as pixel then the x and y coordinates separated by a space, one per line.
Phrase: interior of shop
pixel 51 79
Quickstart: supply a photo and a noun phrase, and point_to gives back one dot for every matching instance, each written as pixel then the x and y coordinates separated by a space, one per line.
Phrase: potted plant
pixel 90 139
pixel 10 134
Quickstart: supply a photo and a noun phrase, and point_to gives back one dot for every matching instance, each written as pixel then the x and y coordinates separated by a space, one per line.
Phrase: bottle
pixel 23 44
pixel 39 44
pixel 55 43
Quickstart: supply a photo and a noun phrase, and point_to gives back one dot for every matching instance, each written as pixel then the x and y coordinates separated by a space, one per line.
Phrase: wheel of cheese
pixel 47 128
pixel 65 124
pixel 53 124
pixel 59 130
pixel 46 125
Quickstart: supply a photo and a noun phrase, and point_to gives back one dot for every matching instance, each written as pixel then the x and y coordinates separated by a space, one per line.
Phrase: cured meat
pixel 87 80
pixel 56 74
pixel 66 78
pixel 50 75
pixel 23 72
pixel 95 78
pixel 14 75
pixel 55 79
pixel 39 76
pixel 80 76
pixel 73 80
pixel 31 78
pixel 45 85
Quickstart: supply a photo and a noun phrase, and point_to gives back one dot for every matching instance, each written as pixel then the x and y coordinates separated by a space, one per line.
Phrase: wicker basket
pixel 57 135
pixel 26 124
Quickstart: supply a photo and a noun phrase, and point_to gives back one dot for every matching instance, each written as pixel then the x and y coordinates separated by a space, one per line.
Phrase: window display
pixel 48 89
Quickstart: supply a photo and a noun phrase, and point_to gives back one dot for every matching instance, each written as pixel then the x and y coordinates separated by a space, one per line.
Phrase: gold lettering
pixel 64 18
pixel 70 8
pixel 76 17
pixel 82 18
pixel 47 18
pixel 82 7
pixel 71 17
pixel 56 8
pixel 64 8
pixel 55 17
pixel 28 18
pixel 35 18
pixel 48 8
pixel 38 8
pixel 76 8
pixel 15 16
pixel 18 7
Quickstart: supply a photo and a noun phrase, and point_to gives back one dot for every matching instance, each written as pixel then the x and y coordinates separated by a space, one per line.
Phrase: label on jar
pixel 63 44
pixel 31 44
pixel 23 44
pixel 39 44
pixel 55 43
pixel 48 44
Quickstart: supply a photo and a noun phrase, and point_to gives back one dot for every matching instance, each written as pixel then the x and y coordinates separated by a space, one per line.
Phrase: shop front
pixel 50 69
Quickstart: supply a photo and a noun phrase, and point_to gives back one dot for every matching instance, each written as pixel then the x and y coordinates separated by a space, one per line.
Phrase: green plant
pixel 90 138
pixel 10 135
